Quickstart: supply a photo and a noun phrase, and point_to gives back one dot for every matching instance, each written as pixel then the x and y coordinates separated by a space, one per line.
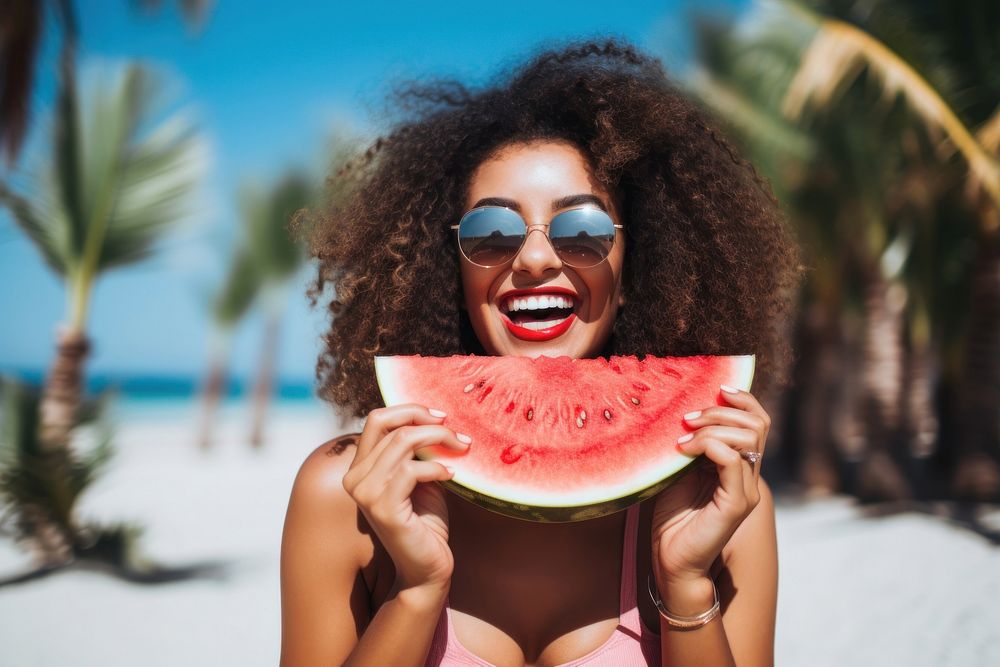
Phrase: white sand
pixel 905 590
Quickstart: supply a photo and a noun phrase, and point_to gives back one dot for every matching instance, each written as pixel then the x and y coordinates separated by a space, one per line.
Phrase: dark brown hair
pixel 709 267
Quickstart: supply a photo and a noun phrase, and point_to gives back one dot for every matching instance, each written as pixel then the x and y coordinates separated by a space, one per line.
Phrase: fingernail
pixel 437 413
pixel 729 390
pixel 463 438
pixel 687 437
pixel 692 415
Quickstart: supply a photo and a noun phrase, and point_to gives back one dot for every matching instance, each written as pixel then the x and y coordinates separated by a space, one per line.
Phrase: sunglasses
pixel 490 236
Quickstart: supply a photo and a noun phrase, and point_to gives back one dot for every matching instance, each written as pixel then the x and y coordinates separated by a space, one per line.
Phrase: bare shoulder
pixel 325 549
pixel 320 503
pixel 321 475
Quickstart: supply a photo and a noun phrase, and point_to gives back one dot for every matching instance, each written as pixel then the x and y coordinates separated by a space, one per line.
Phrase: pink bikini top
pixel 632 644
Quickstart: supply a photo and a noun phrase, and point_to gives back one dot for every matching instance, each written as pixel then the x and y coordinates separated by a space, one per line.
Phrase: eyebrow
pixel 562 202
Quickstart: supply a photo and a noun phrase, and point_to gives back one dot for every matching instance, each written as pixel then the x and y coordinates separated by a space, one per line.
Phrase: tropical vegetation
pixel 877 125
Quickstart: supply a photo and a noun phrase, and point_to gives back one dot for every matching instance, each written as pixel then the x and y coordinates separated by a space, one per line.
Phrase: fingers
pixel 737 477
pixel 404 442
pixel 383 421
pixel 743 413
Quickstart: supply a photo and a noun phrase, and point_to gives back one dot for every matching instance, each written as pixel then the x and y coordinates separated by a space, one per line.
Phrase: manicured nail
pixel 729 390
pixel 685 438
pixel 437 413
pixel 692 415
pixel 463 438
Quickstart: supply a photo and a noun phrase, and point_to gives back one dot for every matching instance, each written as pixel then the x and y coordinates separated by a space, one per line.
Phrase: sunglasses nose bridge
pixel 536 256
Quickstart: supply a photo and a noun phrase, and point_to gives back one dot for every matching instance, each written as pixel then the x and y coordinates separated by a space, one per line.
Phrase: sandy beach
pixel 905 588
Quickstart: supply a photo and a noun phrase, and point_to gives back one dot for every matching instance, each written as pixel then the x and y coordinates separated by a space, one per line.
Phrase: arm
pixel 721 508
pixel 748 589
pixel 326 606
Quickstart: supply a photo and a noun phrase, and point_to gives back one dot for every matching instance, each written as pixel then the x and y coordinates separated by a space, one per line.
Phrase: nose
pixel 536 256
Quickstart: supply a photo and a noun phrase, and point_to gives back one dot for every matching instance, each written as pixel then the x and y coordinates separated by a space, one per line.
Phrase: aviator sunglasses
pixel 490 236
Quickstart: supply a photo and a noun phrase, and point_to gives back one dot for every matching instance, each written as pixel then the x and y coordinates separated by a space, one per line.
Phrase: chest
pixel 550 597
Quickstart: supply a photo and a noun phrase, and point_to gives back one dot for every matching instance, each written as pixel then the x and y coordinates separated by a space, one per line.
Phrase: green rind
pixel 551 514
pixel 557 513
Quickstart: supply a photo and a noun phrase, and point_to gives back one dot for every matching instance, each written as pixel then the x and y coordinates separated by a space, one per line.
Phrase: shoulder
pixel 322 517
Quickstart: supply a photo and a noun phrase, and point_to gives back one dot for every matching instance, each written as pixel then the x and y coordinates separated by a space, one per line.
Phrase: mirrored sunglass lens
pixel 490 236
pixel 582 237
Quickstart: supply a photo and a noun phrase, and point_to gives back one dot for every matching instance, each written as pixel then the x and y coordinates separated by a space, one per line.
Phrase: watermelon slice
pixel 560 439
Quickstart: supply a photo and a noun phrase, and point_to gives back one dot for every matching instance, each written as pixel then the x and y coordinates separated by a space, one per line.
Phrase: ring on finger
pixel 750 457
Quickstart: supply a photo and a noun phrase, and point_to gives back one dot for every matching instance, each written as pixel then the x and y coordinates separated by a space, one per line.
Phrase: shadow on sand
pixel 217 570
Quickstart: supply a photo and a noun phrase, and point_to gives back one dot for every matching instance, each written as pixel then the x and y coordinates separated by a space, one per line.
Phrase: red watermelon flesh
pixel 558 439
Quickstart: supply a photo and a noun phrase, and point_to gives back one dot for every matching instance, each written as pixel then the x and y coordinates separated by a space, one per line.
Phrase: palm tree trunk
pixel 214 388
pixel 882 388
pixel 978 474
pixel 63 391
pixel 817 375
pixel 264 385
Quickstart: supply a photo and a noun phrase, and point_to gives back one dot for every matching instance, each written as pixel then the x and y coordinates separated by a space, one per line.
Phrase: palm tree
pixel 113 186
pixel 880 198
pixel 276 255
pixel 22 24
pixel 229 306
pixel 966 36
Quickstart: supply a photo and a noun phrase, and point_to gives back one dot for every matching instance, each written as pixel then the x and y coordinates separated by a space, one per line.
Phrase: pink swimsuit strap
pixel 631 644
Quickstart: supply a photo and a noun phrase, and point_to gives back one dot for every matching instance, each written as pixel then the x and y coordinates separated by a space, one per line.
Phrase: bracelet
pixel 682 622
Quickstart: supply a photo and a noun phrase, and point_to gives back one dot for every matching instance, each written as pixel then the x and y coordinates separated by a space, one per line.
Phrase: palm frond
pixel 38 484
pixel 840 53
pixel 989 134
pixel 238 292
pixel 20 34
pixel 40 223
pixel 267 216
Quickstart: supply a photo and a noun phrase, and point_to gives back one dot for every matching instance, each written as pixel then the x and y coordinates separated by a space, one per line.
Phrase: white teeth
pixel 538 303
pixel 541 324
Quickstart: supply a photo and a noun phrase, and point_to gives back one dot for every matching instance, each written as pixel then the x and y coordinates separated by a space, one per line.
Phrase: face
pixel 505 302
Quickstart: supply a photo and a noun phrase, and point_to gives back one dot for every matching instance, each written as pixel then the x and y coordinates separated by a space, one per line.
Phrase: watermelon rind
pixel 561 507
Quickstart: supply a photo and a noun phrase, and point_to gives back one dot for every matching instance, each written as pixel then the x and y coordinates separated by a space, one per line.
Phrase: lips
pixel 538 314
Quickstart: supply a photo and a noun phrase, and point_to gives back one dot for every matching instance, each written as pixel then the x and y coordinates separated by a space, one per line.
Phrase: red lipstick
pixel 542 334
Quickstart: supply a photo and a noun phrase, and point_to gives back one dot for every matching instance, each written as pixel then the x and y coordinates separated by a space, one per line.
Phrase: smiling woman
pixel 578 207
pixel 508 302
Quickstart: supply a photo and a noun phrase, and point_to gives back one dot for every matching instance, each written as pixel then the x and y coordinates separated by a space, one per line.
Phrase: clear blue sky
pixel 268 82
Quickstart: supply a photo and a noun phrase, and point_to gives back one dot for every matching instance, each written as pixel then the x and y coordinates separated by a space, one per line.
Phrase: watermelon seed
pixel 510 407
pixel 607 415
pixel 579 422
pixel 635 401
pixel 469 387
pixel 529 414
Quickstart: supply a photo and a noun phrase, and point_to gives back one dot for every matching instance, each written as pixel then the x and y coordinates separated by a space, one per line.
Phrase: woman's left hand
pixel 694 518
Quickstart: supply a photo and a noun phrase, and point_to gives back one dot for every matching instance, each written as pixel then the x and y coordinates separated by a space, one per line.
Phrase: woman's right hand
pixel 392 489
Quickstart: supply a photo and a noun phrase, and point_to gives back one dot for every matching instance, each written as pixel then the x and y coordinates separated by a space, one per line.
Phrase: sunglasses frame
pixel 527 230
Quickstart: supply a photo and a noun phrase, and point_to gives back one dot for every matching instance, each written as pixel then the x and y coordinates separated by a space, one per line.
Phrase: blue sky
pixel 268 83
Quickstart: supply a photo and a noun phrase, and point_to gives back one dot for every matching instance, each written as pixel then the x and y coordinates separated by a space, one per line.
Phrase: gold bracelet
pixel 682 622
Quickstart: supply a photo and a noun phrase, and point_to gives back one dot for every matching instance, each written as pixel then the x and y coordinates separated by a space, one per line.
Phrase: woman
pixel 382 567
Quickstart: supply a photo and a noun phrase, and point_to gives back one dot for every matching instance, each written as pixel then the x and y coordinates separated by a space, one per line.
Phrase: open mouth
pixel 540 316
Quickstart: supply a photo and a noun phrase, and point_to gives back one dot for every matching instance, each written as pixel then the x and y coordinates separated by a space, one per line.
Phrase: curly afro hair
pixel 710 267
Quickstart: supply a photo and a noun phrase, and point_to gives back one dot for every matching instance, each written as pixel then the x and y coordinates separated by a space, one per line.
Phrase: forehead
pixel 540 168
